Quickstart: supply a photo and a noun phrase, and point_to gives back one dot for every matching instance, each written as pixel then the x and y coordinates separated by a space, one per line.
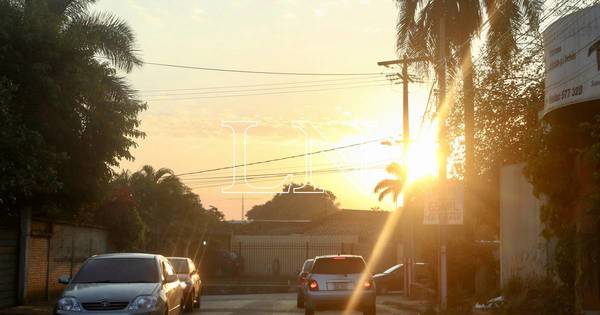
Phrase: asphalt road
pixel 270 304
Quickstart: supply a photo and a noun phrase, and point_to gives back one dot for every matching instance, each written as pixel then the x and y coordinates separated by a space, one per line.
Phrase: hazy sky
pixel 285 36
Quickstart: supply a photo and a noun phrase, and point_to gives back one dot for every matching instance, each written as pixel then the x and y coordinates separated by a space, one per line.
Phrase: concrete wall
pixel 523 250
pixel 57 249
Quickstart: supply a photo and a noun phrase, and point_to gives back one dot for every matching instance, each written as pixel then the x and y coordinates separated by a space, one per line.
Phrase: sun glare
pixel 422 157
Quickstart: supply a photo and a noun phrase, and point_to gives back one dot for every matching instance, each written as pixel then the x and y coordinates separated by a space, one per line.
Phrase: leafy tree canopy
pixel 67 117
pixel 296 202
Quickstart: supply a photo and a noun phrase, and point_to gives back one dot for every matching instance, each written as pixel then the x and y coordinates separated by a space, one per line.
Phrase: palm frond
pixel 106 35
pixel 384 193
pixel 69 9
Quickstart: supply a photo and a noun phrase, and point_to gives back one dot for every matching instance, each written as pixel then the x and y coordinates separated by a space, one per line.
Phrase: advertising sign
pixel 445 205
pixel 572 59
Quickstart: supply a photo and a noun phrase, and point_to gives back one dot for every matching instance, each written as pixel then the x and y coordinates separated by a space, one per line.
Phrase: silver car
pixel 332 281
pixel 122 284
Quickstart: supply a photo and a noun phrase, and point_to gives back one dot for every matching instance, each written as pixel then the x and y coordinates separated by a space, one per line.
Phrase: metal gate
pixel 9 245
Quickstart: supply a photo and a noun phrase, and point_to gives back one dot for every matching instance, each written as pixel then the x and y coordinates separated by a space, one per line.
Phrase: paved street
pixel 271 304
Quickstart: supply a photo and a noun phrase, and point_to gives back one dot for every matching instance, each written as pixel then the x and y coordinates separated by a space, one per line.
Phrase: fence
pixel 284 255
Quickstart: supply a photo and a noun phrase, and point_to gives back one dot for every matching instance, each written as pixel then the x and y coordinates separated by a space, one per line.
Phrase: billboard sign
pixel 445 205
pixel 572 59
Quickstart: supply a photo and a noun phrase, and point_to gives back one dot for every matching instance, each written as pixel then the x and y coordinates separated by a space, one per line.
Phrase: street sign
pixel 445 204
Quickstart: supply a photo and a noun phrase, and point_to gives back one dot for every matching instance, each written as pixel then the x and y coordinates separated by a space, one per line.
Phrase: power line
pixel 270 88
pixel 283 158
pixel 263 175
pixel 228 179
pixel 269 93
pixel 260 84
pixel 295 168
pixel 262 72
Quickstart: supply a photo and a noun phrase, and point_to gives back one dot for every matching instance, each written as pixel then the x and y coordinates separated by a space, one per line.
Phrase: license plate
pixel 341 286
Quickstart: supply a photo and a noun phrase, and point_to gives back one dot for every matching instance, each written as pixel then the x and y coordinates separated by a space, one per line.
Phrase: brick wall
pixel 58 249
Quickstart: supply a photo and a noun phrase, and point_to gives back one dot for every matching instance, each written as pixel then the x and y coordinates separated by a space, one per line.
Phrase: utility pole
pixel 242 207
pixel 408 261
pixel 443 216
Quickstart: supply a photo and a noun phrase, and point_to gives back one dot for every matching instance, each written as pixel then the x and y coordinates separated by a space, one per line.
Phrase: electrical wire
pixel 269 88
pixel 269 93
pixel 284 157
pixel 260 84
pixel 262 72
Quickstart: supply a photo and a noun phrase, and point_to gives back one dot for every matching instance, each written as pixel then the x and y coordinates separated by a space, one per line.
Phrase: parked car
pixel 187 273
pixel 122 284
pixel 393 278
pixel 302 282
pixel 332 281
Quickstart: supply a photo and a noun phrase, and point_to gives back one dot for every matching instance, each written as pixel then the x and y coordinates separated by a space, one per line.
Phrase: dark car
pixel 393 278
pixel 301 284
pixel 122 284
pixel 187 273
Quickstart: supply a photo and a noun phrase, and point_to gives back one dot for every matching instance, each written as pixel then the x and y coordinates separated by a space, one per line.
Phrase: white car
pixel 332 281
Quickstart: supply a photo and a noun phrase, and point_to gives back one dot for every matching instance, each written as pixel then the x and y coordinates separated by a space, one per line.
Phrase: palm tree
pixel 392 186
pixel 96 34
pixel 418 31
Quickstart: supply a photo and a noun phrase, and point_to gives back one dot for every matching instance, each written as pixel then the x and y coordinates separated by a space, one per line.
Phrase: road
pixel 270 304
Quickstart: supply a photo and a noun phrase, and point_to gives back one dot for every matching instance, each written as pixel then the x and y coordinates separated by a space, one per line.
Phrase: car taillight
pixel 368 284
pixel 313 285
pixel 301 280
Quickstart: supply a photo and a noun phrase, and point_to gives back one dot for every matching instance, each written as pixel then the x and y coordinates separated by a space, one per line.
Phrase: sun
pixel 422 155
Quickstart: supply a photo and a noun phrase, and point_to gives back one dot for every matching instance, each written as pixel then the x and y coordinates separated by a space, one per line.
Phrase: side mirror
pixel 171 278
pixel 64 280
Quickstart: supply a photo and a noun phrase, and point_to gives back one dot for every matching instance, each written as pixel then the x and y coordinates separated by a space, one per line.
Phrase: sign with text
pixel 445 204
pixel 572 59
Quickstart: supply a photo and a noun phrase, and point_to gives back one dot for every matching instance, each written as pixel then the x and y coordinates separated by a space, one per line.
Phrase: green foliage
pixel 540 296
pixel 560 147
pixel 170 212
pixel 22 165
pixel 126 233
pixel 296 202
pixel 68 118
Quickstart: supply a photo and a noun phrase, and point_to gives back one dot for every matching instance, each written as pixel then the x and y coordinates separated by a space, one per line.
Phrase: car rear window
pixel 307 265
pixel 338 265
pixel 180 265
pixel 118 270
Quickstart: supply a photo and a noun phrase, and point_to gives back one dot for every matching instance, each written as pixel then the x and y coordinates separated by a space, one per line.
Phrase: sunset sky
pixel 185 132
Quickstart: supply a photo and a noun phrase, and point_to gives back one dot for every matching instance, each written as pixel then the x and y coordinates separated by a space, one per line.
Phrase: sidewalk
pixel 38 309
pixel 401 302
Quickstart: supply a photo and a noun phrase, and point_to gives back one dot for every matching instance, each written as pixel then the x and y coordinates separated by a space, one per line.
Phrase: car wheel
pixel 189 302
pixel 197 301
pixel 300 300
pixel 309 311
pixel 370 310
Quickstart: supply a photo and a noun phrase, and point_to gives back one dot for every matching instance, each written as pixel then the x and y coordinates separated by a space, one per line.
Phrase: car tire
pixel 189 302
pixel 370 310
pixel 300 300
pixel 309 311
pixel 197 301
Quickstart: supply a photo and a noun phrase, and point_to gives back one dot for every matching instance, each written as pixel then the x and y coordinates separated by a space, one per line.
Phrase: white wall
pixel 523 249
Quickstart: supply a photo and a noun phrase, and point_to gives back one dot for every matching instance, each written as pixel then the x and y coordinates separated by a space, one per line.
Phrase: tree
pixel 418 31
pixel 296 202
pixel 172 214
pixel 392 186
pixel 61 62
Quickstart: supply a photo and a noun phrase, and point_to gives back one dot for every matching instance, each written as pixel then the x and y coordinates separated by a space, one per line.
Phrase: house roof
pixel 366 224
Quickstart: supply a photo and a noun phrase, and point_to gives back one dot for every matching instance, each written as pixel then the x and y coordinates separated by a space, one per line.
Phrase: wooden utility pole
pixel 443 278
pixel 408 261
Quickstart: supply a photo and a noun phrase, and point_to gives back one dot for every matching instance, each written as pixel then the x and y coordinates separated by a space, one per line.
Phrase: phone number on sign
pixel 566 93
